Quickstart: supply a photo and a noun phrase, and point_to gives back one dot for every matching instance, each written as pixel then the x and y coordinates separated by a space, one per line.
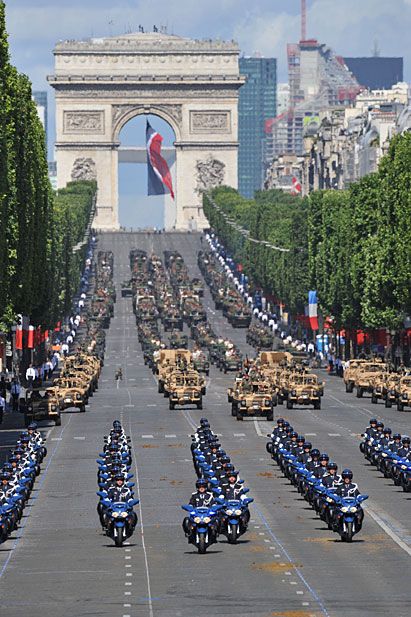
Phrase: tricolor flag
pixel 296 190
pixel 312 309
pixel 159 175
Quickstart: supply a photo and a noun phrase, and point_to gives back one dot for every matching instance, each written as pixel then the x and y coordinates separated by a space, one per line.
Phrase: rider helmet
pixel 32 426
pixel 201 482
pixel 347 473
pixel 373 421
pixel 280 421
pixel 301 439
pixel 396 436
pixel 332 465
pixel 294 435
pixel 380 424
pixel 387 431
pixel 285 424
pixel 406 440
pixel 233 474
pixel 315 453
pixel 119 478
pixel 307 445
pixel 324 457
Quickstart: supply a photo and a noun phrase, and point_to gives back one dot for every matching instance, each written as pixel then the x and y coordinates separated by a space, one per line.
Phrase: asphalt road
pixel 60 564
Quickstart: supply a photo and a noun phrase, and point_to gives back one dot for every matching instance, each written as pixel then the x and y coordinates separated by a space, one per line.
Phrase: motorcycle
pixel 120 518
pixel 202 526
pixel 234 518
pixel 346 521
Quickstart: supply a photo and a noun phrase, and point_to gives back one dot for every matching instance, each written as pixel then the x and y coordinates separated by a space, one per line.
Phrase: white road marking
pixel 239 434
pixel 258 429
pixel 311 434
pixel 334 435
pixel 129 405
pixel 170 436
pixel 80 438
pixel 152 405
pixel 388 530
pixel 147 436
pixel 56 438
pixel 299 593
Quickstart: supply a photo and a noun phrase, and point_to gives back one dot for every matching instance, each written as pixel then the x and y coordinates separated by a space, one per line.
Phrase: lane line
pixel 257 428
pixel 297 571
pixel 143 542
pixel 388 530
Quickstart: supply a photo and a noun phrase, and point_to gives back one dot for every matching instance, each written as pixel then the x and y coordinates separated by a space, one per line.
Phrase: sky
pixel 350 27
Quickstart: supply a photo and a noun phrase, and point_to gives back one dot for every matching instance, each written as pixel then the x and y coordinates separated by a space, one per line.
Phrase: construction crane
pixel 303 20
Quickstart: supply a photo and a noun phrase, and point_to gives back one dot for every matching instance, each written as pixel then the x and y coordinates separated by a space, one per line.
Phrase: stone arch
pixel 172 114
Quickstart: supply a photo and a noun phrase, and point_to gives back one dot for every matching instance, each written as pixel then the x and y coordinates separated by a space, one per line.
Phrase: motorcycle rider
pixel 119 492
pixel 320 471
pixel 404 451
pixel 201 498
pixel 331 479
pixel 314 461
pixel 232 489
pixel 305 455
pixel 371 430
pixel 348 488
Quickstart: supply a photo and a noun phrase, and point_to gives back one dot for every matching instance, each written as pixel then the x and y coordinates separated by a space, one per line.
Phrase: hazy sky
pixel 349 26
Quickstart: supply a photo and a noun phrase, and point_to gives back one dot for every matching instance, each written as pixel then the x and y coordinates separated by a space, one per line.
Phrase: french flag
pixel 312 309
pixel 159 175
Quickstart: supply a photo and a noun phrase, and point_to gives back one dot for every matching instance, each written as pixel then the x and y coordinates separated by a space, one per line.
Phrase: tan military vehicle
pixel 170 360
pixel 274 358
pixel 365 377
pixel 379 387
pixel 248 402
pixel 404 393
pixel 185 390
pixel 41 404
pixel 391 389
pixel 303 389
pixel 350 373
pixel 72 392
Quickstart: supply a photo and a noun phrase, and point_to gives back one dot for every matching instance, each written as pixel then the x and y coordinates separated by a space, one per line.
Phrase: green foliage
pixel 38 270
pixel 353 247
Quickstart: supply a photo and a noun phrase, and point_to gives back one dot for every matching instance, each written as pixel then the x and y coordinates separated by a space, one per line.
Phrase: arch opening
pixel 137 210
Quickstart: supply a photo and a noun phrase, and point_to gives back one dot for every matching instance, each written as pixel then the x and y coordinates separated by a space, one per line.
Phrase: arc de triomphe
pixel 100 84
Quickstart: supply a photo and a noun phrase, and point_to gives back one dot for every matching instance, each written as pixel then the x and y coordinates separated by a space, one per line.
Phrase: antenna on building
pixel 110 27
pixel 376 52
pixel 303 20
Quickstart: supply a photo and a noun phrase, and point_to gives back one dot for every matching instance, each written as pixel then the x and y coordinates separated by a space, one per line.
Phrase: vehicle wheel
pixel 374 399
pixel 26 420
pixel 119 539
pixel 317 405
pixel 200 405
pixel 400 406
pixel 388 403
pixel 201 544
pixel 171 406
pixel 359 392
pixel 289 404
pixel 349 387
pixel 349 534
pixel 82 409
pixel 234 409
pixel 232 535
pixel 274 401
pixel 270 416
pixel 280 400
pixel 225 370
pixel 239 416
pixel 58 421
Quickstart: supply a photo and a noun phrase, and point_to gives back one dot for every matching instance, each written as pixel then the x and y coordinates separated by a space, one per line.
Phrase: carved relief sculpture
pixel 210 173
pixel 205 121
pixel 83 122
pixel 84 169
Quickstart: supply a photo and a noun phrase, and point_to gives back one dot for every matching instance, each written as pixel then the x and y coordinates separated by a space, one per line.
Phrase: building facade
pixel 40 99
pixel 102 83
pixel 257 104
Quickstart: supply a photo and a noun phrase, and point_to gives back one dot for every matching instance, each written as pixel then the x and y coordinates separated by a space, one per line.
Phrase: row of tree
pixel 353 246
pixel 38 270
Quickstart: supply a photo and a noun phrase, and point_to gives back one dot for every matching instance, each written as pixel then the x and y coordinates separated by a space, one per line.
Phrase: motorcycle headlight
pixel 197 519
pixel 403 467
pixel 405 395
pixel 124 515
pixel 238 512
pixel 344 509
pixel 229 512
pixel 353 509
pixel 384 454
pixel 207 519
pixel 329 500
pixel 116 514
pixel 78 396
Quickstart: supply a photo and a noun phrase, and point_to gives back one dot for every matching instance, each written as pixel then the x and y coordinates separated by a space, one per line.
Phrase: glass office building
pixel 257 103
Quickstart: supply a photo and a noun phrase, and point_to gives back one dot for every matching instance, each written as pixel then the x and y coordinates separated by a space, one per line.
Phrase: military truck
pixel 41 404
pixel 404 393
pixel 304 389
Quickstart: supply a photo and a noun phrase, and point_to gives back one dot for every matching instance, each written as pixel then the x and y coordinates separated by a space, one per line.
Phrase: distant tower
pixel 303 20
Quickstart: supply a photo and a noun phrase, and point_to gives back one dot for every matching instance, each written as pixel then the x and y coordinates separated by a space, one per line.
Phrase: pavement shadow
pixel 206 553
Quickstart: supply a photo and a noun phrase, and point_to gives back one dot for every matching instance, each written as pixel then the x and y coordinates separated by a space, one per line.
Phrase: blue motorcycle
pixel 348 516
pixel 202 526
pixel 120 518
pixel 234 518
